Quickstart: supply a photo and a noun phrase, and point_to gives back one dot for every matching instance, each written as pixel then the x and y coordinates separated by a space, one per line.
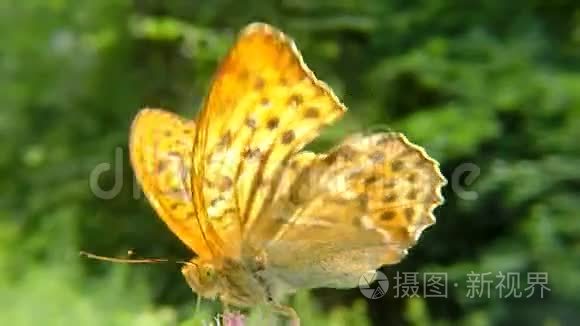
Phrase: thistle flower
pixel 233 319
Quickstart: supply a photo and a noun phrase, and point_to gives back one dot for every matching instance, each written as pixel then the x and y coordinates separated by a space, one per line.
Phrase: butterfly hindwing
pixel 357 208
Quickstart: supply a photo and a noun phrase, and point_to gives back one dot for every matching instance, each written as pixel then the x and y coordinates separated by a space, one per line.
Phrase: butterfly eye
pixel 209 272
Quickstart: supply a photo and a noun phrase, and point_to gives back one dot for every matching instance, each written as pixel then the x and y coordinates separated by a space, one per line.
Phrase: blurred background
pixel 490 88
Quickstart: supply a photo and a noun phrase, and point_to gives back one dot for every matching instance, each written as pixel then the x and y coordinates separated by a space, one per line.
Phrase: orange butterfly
pixel 264 217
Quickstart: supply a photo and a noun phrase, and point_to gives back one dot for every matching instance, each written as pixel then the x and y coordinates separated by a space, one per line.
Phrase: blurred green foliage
pixel 493 84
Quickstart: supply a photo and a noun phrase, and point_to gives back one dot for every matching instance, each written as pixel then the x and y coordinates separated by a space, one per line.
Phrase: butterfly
pixel 263 216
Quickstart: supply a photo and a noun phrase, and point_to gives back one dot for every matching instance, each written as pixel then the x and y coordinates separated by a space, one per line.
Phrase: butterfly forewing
pixel 264 105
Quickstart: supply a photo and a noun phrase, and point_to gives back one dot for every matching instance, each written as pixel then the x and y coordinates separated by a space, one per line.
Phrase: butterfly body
pixel 238 284
pixel 264 217
pixel 233 282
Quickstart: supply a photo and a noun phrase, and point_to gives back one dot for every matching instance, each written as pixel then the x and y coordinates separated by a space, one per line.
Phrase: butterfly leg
pixel 288 312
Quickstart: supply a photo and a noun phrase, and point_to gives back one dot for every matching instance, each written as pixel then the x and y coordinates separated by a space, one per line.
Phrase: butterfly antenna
pixel 135 260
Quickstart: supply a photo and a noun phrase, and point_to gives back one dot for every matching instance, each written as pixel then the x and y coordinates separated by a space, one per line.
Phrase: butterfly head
pixel 202 277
